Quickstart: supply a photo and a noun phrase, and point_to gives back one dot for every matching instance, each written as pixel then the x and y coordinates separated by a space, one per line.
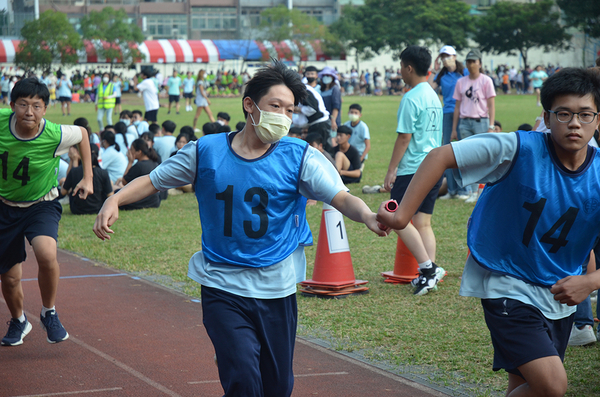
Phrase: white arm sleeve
pixel 71 135
pixel 484 158
pixel 319 180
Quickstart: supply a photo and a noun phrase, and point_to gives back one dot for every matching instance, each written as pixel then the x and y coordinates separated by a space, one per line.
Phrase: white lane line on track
pixel 67 393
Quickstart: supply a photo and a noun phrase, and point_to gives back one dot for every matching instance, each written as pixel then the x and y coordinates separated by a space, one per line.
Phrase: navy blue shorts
pixel 399 189
pixel 118 100
pixel 520 333
pixel 40 219
pixel 254 342
pixel 173 98
pixel 188 95
pixel 151 115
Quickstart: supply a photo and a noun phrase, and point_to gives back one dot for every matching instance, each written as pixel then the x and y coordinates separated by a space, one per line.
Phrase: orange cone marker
pixel 333 274
pixel 406 267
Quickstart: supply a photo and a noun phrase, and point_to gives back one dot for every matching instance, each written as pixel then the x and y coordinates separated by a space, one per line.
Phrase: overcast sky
pixel 3 4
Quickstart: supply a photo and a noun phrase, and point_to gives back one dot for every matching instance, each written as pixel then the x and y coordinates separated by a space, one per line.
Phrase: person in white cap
pixel 448 73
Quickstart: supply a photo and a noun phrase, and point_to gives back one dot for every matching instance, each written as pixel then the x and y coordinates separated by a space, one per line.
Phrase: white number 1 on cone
pixel 336 232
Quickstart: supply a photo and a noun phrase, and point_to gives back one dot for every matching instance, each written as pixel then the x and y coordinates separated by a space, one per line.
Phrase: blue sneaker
pixel 51 323
pixel 16 332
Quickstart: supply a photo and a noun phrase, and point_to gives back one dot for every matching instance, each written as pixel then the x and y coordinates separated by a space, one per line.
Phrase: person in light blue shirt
pixel 164 144
pixel 188 91
pixel 137 119
pixel 64 87
pixel 540 210
pixel 118 92
pixel 113 161
pixel 174 89
pixel 360 138
pixel 419 131
pixel 251 186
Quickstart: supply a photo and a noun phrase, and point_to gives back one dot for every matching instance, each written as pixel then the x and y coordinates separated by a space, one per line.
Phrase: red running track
pixel 131 337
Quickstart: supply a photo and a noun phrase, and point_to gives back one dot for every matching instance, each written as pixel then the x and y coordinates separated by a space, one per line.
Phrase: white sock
pixel 44 310
pixel 22 318
pixel 428 264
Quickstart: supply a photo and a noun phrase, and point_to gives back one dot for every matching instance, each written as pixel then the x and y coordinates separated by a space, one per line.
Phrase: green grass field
pixel 441 335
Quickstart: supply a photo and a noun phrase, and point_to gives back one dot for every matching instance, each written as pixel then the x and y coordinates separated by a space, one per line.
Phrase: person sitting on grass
pixel 532 229
pixel 360 138
pixel 113 160
pixel 103 187
pixel 347 158
pixel 146 163
pixel 249 185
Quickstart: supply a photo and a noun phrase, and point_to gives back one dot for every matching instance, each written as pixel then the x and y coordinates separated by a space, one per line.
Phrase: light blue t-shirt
pixel 487 158
pixel 419 114
pixel 64 88
pixel 130 138
pixel 360 132
pixel 117 88
pixel 188 85
pixel 163 145
pixel 174 83
pixel 537 78
pixel 142 127
pixel 113 162
pixel 319 181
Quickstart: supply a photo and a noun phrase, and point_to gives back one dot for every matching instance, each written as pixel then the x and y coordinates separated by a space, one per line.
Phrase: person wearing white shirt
pixel 149 93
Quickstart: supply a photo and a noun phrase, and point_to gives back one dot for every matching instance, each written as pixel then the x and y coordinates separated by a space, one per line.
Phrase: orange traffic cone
pixel 406 267
pixel 333 275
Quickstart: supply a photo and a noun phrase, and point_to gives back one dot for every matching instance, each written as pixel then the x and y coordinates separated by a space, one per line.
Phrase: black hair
pixel 126 113
pixel 137 112
pixel 121 128
pixel 417 57
pixel 189 132
pixel 574 81
pixel 344 129
pixel 182 135
pixel 210 128
pixel 141 145
pixel 109 137
pixel 525 127
pixel 83 122
pixel 295 131
pixel 497 123
pixel 223 115
pixel 314 137
pixel 109 127
pixel 460 69
pixel 223 128
pixel 310 69
pixel 355 106
pixel 240 125
pixel 147 136
pixel 275 74
pixel 154 129
pixel 94 150
pixel 30 88
pixel 169 126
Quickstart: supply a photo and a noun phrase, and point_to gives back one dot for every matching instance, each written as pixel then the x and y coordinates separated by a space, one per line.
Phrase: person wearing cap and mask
pixel 105 100
pixel 149 92
pixel 446 79
pixel 311 110
pixel 332 95
pixel 475 105
pixel 251 187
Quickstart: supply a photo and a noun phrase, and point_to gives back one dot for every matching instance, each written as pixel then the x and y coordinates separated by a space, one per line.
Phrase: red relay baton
pixel 390 206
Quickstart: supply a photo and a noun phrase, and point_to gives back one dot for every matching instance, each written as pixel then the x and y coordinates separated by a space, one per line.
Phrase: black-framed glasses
pixel 565 116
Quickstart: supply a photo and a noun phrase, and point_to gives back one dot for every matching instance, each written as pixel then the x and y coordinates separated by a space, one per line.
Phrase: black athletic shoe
pixel 428 279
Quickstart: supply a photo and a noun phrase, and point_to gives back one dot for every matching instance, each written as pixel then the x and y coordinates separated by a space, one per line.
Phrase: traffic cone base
pixel 406 267
pixel 333 274
pixel 329 294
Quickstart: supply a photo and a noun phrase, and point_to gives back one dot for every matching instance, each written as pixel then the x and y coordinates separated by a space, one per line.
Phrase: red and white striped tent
pixel 197 51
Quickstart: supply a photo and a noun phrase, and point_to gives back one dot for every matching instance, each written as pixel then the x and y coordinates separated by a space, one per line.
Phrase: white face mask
pixel 271 126
pixel 105 80
pixel 126 121
pixel 353 117
pixel 327 79
pixel 449 62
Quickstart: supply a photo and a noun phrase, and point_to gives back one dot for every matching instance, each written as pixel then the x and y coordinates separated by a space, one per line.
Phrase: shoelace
pixel 51 320
pixel 13 329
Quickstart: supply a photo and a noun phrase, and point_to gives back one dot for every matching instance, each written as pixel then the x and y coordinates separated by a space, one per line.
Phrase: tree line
pixel 379 25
